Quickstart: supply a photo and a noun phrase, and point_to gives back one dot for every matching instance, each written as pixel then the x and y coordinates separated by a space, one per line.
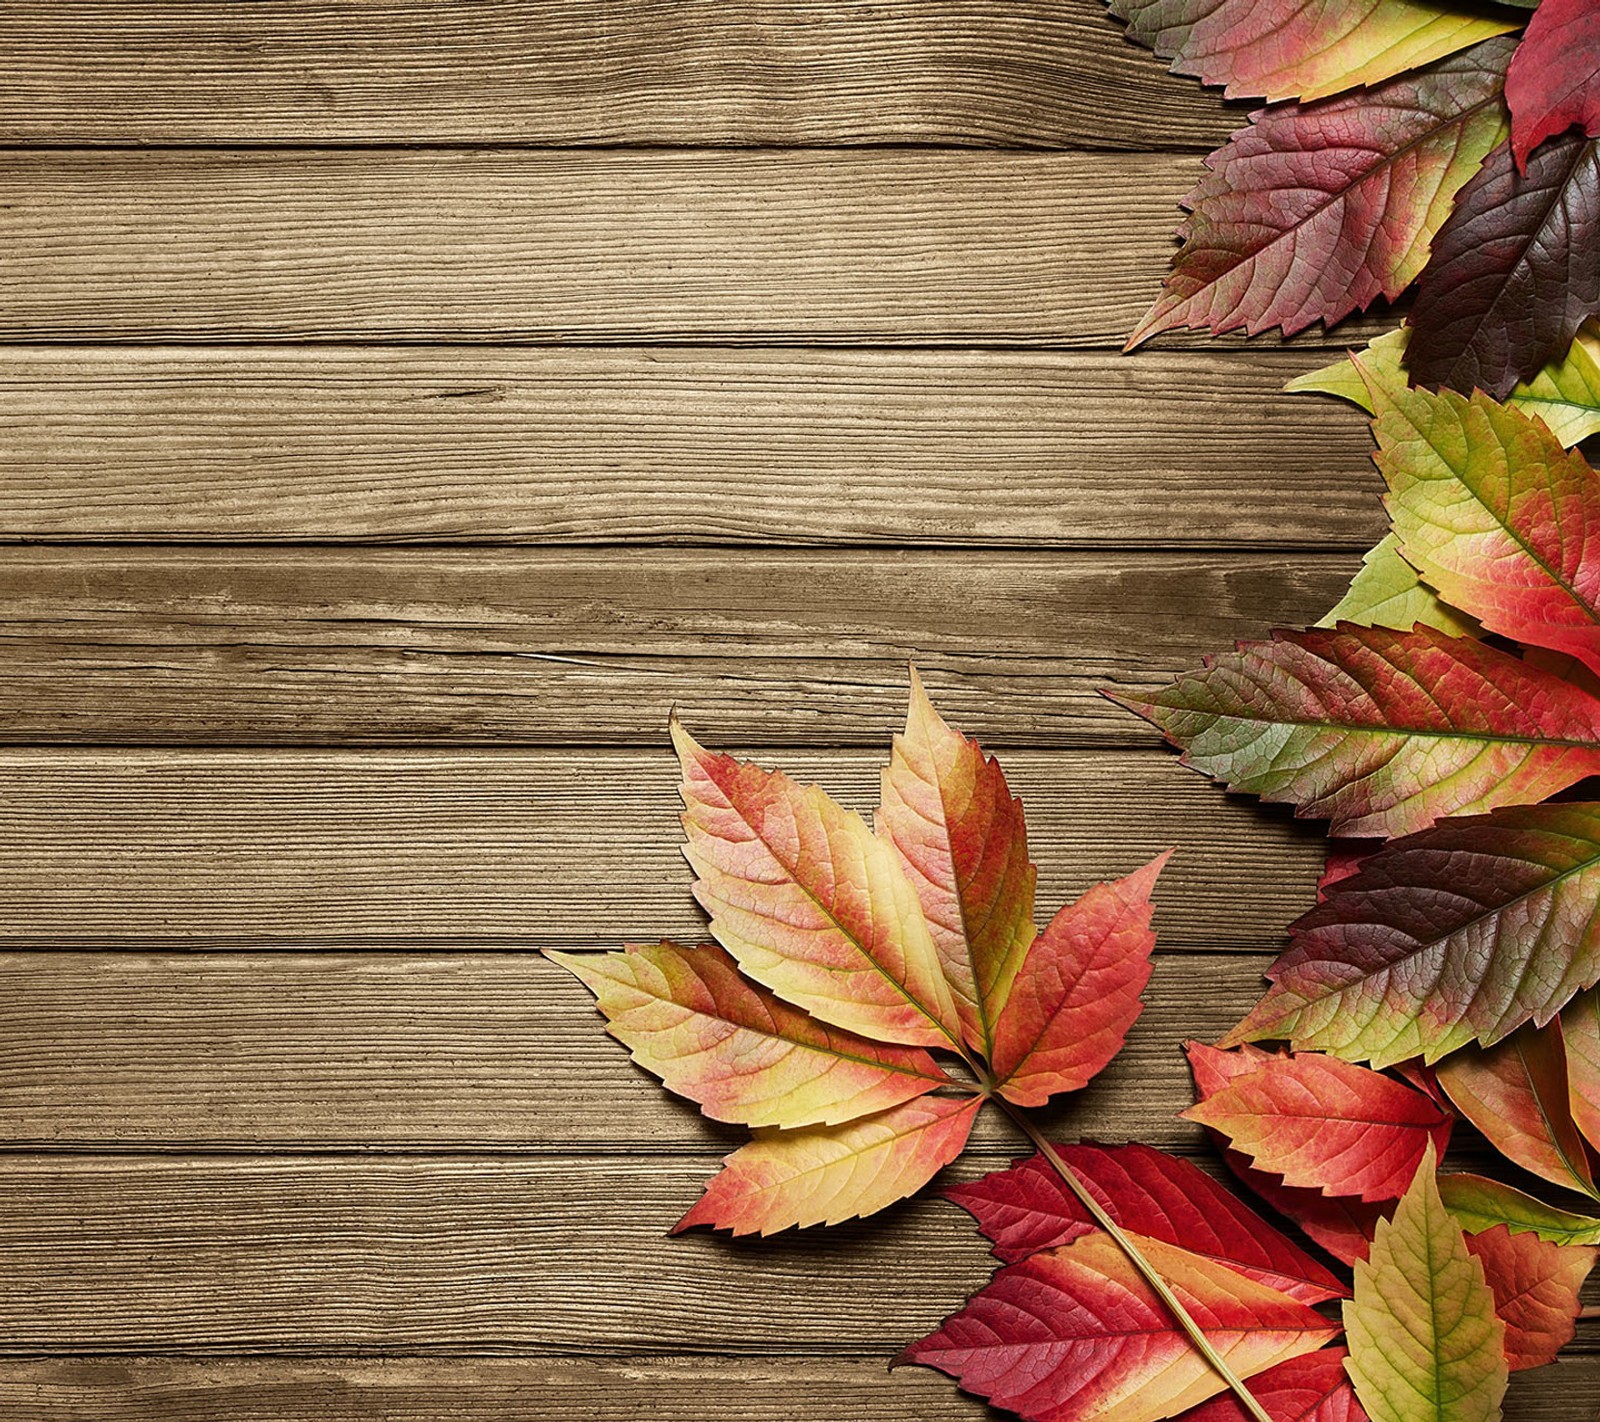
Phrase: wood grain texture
pixel 666 1389
pixel 298 1051
pixel 299 1254
pixel 846 246
pixel 600 445
pixel 529 849
pixel 573 72
pixel 558 647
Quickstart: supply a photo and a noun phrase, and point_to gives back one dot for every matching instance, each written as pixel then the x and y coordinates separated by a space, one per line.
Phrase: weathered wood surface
pixel 558 72
pixel 297 1254
pixel 851 247
pixel 563 647
pixel 397 1051
pixel 459 850
pixel 1028 448
pixel 494 1389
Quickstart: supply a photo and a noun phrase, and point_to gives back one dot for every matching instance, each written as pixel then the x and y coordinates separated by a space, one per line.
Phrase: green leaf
pixel 1425 1342
pixel 1480 1204
pixel 1388 593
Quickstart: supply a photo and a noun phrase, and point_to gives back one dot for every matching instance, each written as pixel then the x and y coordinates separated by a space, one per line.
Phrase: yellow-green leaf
pixel 1388 593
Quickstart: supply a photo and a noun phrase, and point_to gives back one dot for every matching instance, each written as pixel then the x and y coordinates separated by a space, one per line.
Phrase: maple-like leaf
pixel 1388 593
pixel 1494 513
pixel 810 902
pixel 1379 731
pixel 1077 993
pixel 1425 1342
pixel 1074 1334
pixel 951 817
pixel 1565 394
pixel 1278 49
pixel 1314 211
pixel 1580 1029
pixel 736 1049
pixel 1324 1124
pixel 825 1174
pixel 1554 82
pixel 1516 1094
pixel 1027 1207
pixel 1340 1224
pixel 1535 1286
pixel 1311 1388
pixel 1460 933
pixel 1515 269
pixel 1480 1204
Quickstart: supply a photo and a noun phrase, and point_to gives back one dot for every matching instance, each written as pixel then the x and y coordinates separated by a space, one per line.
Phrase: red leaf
pixel 1077 992
pixel 1028 1207
pixel 1316 210
pixel 1535 1287
pixel 1554 80
pixel 1310 1388
pixel 1514 271
pixel 1321 1123
pixel 1580 1029
pixel 1075 1334
pixel 1342 1226
pixel 1344 859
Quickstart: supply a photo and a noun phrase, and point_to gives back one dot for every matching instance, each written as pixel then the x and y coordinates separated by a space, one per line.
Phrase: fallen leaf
pixel 1028 1207
pixel 1535 1286
pixel 1388 593
pixel 1315 210
pixel 1278 49
pixel 740 1052
pixel 1516 1094
pixel 1425 1342
pixel 1075 1334
pixel 1311 1388
pixel 1480 1204
pixel 1381 732
pixel 1580 1026
pixel 1515 270
pixel 1460 933
pixel 1554 81
pixel 1328 1125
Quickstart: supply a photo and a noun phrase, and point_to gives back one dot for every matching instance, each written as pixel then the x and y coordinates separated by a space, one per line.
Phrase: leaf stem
pixel 1162 1289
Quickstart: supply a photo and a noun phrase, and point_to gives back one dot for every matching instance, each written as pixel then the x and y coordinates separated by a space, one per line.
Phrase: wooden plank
pixel 600 445
pixel 526 849
pixel 670 1389
pixel 560 648
pixel 271 1254
pixel 571 72
pixel 846 246
pixel 251 1051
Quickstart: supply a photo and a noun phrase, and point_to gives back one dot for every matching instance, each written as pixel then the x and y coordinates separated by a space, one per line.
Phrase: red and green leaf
pixel 1535 1286
pixel 1580 1028
pixel 1314 211
pixel 1311 1388
pixel 1075 1334
pixel 741 1053
pixel 1324 1124
pixel 1515 270
pixel 1277 49
pixel 951 817
pixel 810 902
pixel 1077 993
pixel 1461 933
pixel 826 1174
pixel 1554 81
pixel 1379 731
pixel 1027 1208
pixel 1516 1093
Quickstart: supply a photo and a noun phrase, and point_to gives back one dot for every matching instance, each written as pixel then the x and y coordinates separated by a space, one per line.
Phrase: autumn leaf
pixel 1278 49
pixel 1580 1029
pixel 1028 1207
pixel 1314 211
pixel 1378 731
pixel 1311 1388
pixel 1535 1286
pixel 1515 269
pixel 1074 1333
pixel 1425 1342
pixel 1460 933
pixel 1324 1124
pixel 1554 81
pixel 1480 1204
pixel 1516 1093
pixel 1387 592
